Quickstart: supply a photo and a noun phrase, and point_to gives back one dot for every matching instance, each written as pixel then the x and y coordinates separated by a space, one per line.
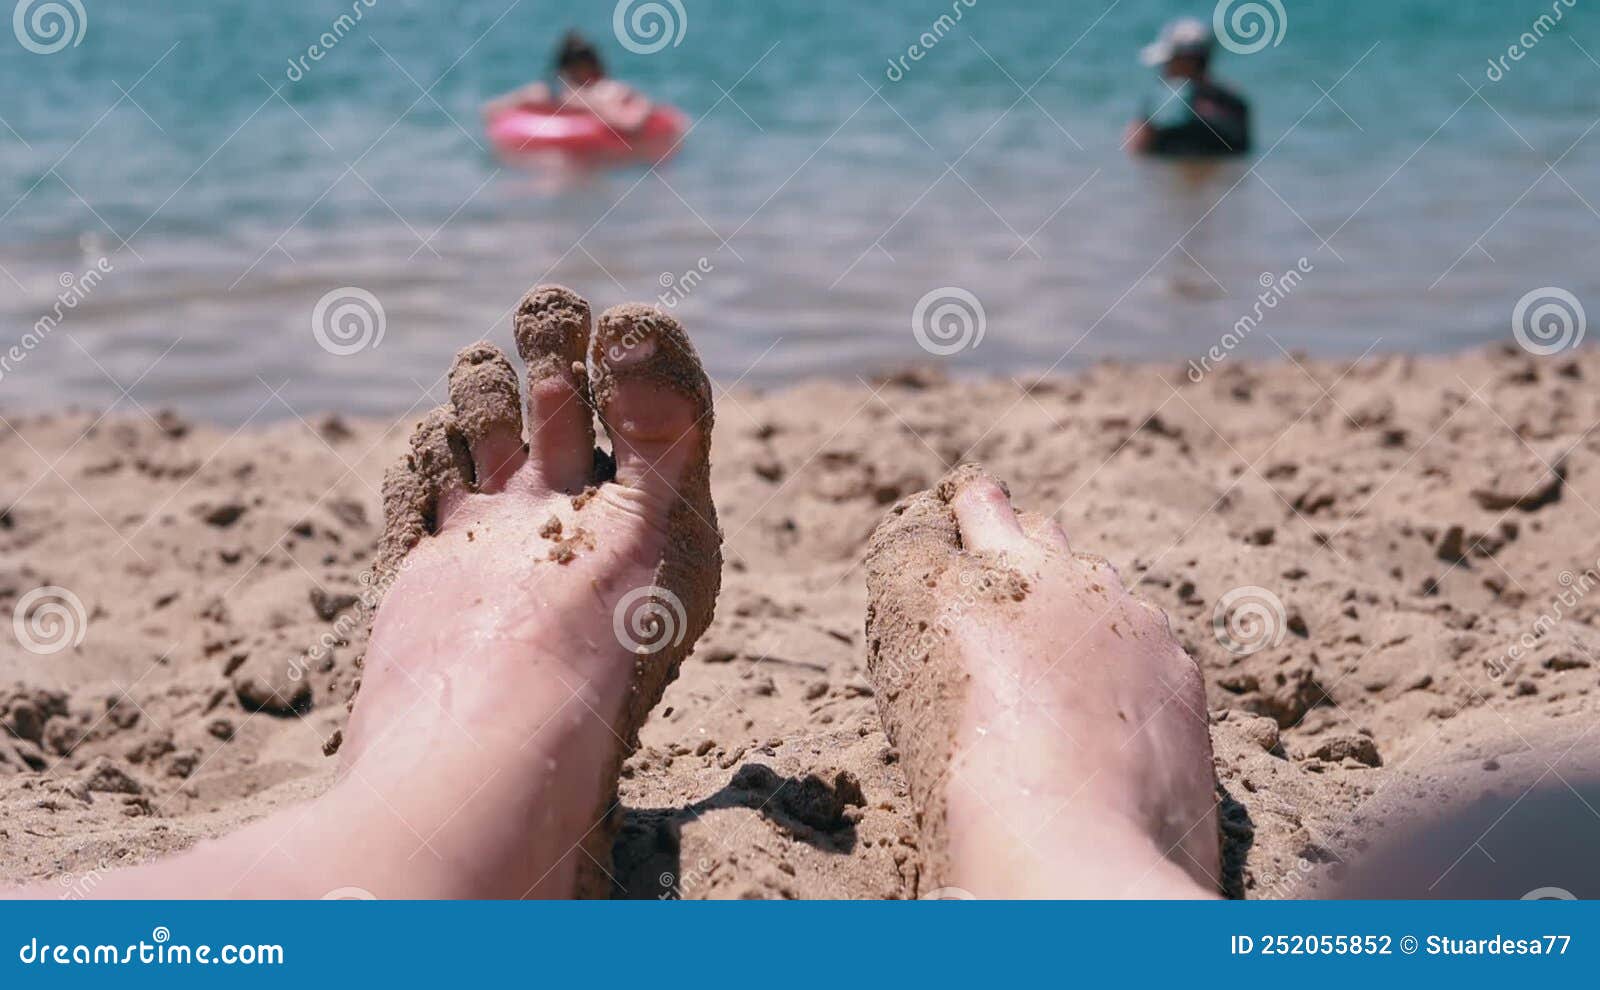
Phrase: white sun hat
pixel 1184 36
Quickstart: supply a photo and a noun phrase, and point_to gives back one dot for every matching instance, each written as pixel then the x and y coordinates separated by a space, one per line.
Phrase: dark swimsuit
pixel 1210 120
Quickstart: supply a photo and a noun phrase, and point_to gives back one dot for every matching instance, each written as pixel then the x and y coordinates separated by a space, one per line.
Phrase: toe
pixel 655 402
pixel 406 511
pixel 1044 531
pixel 483 390
pixel 654 399
pixel 983 511
pixel 552 326
pixel 441 462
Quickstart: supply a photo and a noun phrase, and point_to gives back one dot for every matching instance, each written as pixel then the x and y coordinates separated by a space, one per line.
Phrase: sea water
pixel 299 211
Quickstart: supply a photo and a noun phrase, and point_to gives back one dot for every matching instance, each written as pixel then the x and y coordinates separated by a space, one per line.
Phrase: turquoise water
pixel 817 199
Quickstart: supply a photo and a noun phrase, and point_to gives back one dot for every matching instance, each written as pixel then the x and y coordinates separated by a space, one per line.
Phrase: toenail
pixel 631 349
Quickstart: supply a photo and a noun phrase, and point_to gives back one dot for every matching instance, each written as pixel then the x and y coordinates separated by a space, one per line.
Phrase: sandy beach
pixel 1405 546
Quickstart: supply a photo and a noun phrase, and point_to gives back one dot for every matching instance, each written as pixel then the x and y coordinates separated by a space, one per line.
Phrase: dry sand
pixel 1417 518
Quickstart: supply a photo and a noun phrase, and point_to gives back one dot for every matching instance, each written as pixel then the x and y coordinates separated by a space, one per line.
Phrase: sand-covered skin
pixel 916 677
pixel 1411 521
pixel 531 507
pixel 912 660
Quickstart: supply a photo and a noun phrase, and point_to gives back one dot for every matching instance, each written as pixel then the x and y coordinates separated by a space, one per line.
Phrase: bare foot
pixel 543 595
pixel 538 607
pixel 1053 731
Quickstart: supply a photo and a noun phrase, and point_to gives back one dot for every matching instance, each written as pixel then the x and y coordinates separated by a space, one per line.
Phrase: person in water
pixel 1203 117
pixel 584 84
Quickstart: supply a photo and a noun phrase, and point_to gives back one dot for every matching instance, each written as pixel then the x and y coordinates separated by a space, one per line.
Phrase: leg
pixel 1053 732
pixel 537 612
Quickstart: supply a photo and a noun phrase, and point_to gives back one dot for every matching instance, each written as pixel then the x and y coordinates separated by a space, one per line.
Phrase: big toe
pixel 655 402
pixel 983 510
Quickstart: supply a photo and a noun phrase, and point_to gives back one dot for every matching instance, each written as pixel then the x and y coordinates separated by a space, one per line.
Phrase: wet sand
pixel 1421 535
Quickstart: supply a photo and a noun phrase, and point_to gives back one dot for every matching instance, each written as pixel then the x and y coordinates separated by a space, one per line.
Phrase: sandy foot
pixel 1052 729
pixel 543 597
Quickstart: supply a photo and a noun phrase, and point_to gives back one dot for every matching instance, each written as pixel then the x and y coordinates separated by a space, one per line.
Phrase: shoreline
pixel 1407 518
